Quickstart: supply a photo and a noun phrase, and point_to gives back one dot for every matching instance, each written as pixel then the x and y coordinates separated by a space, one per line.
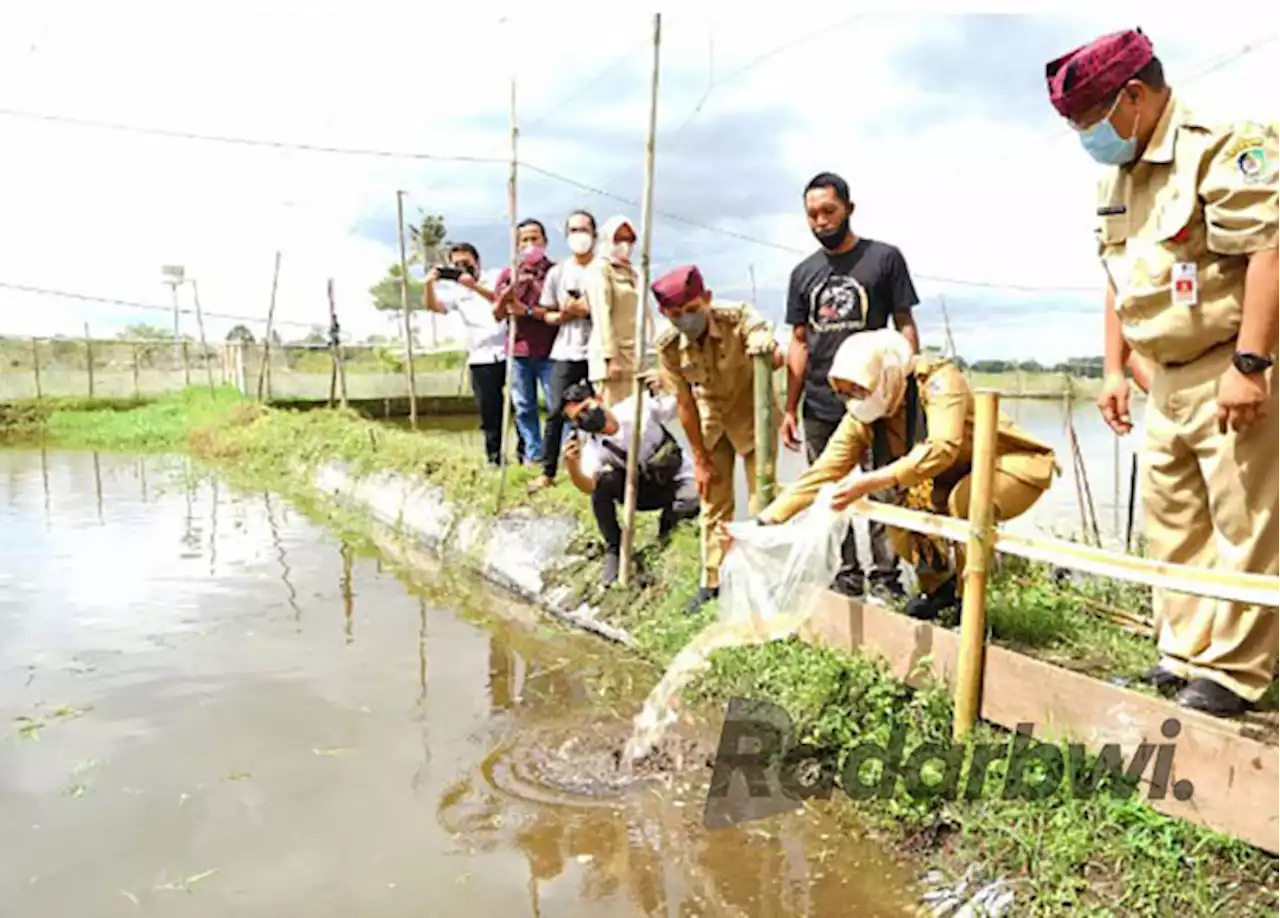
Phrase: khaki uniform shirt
pixel 718 372
pixel 945 455
pixel 1176 228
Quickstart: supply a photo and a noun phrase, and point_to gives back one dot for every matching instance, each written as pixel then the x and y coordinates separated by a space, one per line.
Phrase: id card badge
pixel 1186 290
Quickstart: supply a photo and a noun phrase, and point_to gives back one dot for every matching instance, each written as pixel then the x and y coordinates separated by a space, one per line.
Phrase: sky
pixel 939 121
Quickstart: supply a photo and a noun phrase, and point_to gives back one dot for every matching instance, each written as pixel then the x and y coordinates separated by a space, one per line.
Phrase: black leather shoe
pixel 849 583
pixel 928 606
pixel 1163 681
pixel 1211 698
pixel 704 596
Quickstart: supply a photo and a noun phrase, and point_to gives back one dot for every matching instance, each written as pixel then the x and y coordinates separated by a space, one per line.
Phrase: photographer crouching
pixel 597 464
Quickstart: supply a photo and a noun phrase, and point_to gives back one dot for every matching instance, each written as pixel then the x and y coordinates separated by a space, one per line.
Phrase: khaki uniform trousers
pixel 1211 501
pixel 1010 498
pixel 718 505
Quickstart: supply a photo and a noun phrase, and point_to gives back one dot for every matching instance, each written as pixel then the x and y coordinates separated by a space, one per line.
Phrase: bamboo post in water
pixel 508 379
pixel 35 364
pixel 642 310
pixel 766 436
pixel 137 395
pixel 973 614
pixel 408 323
pixel 88 356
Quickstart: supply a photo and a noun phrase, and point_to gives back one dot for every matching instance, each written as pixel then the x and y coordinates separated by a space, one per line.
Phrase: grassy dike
pixel 1097 856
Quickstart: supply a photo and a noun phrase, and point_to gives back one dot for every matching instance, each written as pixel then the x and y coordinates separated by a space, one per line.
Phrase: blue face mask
pixel 1104 143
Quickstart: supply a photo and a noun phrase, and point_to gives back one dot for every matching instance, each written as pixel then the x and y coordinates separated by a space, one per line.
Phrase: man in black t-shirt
pixel 850 285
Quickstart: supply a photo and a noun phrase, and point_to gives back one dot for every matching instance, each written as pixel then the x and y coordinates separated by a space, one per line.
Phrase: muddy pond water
pixel 212 706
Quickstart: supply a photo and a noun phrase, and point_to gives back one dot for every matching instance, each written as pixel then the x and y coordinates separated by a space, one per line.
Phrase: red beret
pixel 1087 76
pixel 678 286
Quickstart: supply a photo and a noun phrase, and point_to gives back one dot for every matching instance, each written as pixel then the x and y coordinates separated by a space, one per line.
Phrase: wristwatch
pixel 528 310
pixel 1249 364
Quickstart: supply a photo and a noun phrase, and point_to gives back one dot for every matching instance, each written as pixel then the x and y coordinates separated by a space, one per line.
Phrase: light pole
pixel 174 275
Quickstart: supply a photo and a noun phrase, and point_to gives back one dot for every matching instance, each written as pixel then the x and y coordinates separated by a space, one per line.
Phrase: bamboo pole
pixel 88 356
pixel 511 322
pixel 137 393
pixel 339 373
pixel 408 323
pixel 1115 480
pixel 186 365
pixel 204 343
pixel 1133 494
pixel 642 309
pixel 766 434
pixel 35 364
pixel 973 615
pixel 266 338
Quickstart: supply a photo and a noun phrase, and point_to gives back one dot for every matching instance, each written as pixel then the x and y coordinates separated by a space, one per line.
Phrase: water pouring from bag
pixel 770 583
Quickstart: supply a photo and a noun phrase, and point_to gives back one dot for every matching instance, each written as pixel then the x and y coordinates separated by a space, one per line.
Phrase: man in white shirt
pixel 563 296
pixel 460 288
pixel 597 464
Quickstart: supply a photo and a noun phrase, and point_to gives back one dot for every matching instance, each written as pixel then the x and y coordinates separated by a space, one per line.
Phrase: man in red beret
pixel 1187 227
pixel 705 358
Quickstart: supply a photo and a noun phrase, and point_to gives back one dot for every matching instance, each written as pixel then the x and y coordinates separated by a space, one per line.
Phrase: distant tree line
pixel 1082 367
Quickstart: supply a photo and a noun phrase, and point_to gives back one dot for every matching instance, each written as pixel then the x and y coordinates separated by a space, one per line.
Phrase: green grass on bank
pixel 1100 856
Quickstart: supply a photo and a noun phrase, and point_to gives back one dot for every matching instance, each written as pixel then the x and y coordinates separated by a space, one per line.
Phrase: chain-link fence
pixel 119 369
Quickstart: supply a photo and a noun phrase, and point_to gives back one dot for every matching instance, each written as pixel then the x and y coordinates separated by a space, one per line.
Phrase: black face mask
pixel 591 420
pixel 833 239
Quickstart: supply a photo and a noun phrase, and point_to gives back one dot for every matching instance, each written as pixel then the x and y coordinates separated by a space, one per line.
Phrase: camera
pixel 449 273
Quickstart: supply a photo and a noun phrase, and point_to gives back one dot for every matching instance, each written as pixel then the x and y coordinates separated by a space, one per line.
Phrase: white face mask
pixel 623 250
pixel 580 242
pixel 868 410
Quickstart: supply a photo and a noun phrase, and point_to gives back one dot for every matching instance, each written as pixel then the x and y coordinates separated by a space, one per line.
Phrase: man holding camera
pixel 463 291
pixel 567 309
pixel 597 464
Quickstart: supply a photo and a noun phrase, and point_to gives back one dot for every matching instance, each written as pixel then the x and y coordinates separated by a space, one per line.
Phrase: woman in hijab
pixel 612 289
pixel 916 415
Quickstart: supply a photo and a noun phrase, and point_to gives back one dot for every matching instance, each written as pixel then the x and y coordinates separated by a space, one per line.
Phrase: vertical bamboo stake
pixel 35 363
pixel 1115 474
pixel 511 322
pixel 186 365
pixel 1133 495
pixel 339 373
pixel 204 344
pixel 88 356
pixel 408 325
pixel 642 308
pixel 766 435
pixel 973 615
pixel 136 391
pixel 266 339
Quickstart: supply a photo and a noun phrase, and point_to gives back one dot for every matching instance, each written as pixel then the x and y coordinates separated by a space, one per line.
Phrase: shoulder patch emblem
pixel 1252 163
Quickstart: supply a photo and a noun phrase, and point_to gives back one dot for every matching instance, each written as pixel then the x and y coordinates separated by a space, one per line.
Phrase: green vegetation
pixel 1097 856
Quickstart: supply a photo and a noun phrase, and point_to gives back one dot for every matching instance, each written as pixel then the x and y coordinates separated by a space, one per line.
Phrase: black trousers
pixel 816 434
pixel 487 382
pixel 677 502
pixel 564 373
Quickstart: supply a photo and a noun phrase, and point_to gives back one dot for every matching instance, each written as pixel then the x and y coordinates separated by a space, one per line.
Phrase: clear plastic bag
pixel 773 576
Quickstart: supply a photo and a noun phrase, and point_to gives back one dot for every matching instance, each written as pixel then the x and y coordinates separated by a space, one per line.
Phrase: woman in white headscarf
pixel 916 415
pixel 612 290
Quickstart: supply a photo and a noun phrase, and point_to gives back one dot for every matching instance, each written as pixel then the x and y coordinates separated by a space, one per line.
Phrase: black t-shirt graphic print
pixel 836 296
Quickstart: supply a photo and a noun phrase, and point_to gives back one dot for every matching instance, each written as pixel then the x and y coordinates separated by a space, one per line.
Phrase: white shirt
pixel 655 413
pixel 571 339
pixel 486 338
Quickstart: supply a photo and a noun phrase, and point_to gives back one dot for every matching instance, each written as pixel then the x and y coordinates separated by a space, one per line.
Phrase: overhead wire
pixel 1217 64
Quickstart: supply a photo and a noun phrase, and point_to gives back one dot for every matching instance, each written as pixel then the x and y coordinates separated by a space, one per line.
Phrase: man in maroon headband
pixel 705 358
pixel 1187 224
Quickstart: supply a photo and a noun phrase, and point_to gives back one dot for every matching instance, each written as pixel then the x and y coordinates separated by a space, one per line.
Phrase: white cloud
pixel 98 212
